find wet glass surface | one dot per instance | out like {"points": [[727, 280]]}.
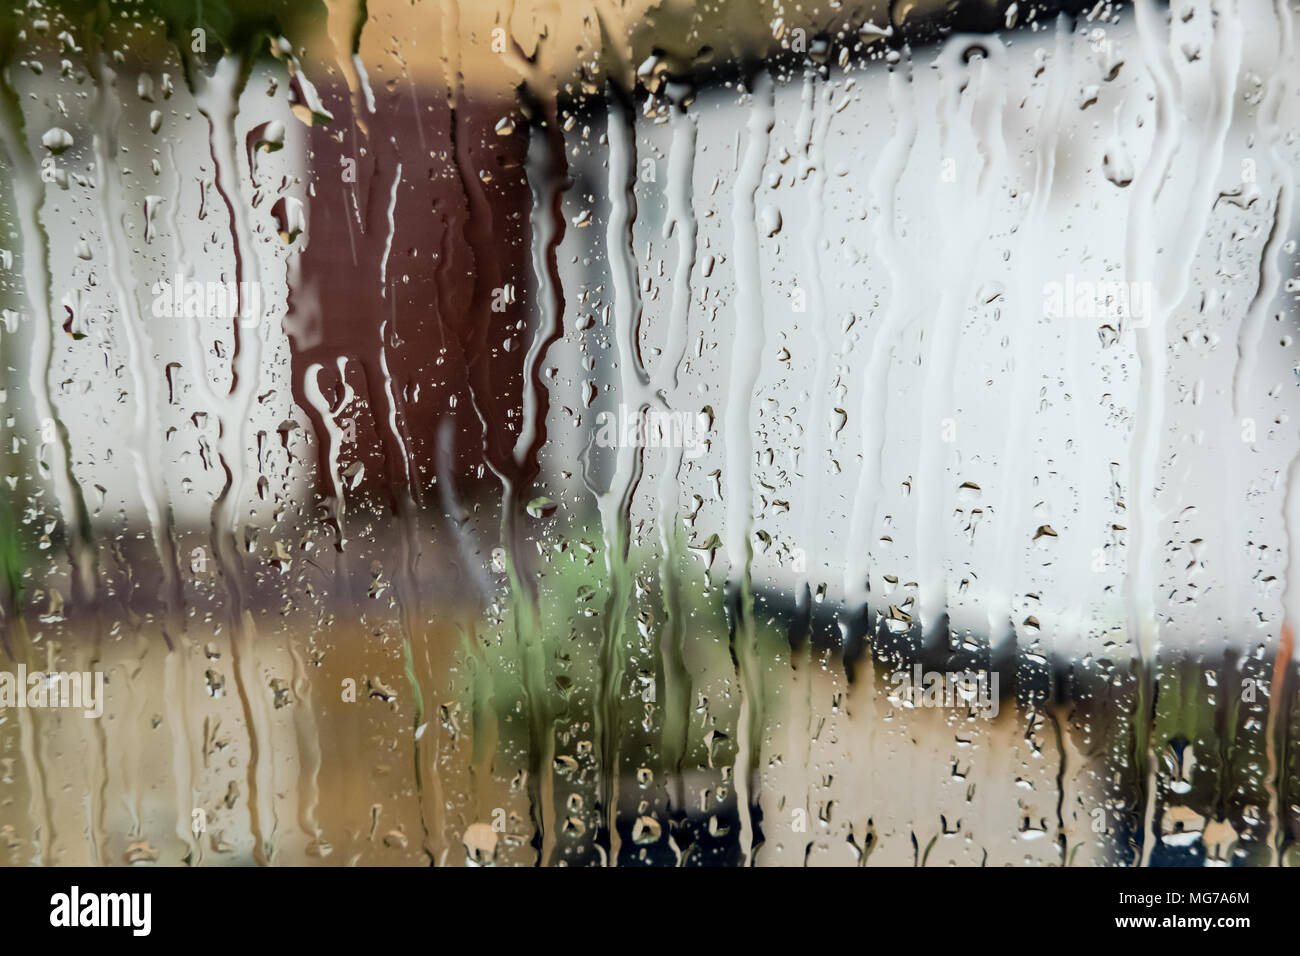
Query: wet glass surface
{"points": [[648, 434]]}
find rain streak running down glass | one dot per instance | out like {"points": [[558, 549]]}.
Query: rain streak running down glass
{"points": [[595, 433]]}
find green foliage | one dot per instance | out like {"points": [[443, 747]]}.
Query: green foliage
{"points": [[11, 561], [229, 26], [236, 25]]}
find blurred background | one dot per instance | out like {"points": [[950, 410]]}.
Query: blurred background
{"points": [[560, 433]]}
